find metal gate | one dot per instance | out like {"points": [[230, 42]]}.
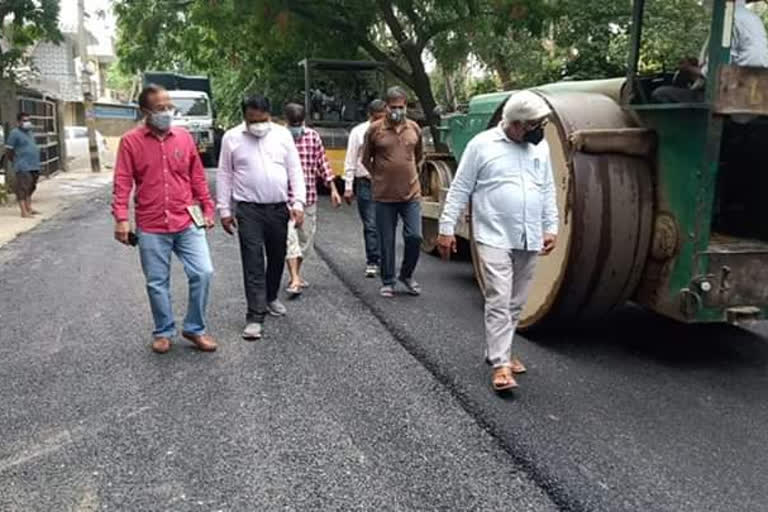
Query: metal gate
{"points": [[42, 113]]}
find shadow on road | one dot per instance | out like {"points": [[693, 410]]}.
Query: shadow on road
{"points": [[640, 334]]}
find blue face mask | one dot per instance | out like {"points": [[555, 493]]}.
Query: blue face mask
{"points": [[296, 131]]}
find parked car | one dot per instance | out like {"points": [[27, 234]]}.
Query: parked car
{"points": [[77, 147]]}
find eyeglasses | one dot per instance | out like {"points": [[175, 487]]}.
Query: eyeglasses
{"points": [[535, 126]]}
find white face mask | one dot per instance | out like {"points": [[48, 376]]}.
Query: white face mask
{"points": [[161, 120], [259, 129], [26, 125]]}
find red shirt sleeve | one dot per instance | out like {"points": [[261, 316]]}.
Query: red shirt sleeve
{"points": [[123, 181], [199, 181]]}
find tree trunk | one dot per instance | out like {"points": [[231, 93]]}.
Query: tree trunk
{"points": [[423, 89], [504, 72]]}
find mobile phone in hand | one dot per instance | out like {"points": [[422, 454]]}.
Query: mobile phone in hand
{"points": [[133, 240]]}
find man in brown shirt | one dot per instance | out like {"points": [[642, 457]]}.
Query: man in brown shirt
{"points": [[393, 153]]}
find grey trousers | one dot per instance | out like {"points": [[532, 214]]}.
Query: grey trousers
{"points": [[508, 278]]}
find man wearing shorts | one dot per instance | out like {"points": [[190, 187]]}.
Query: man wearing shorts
{"points": [[22, 150], [315, 166]]}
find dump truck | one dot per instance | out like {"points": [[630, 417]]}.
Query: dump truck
{"points": [[191, 95], [660, 204]]}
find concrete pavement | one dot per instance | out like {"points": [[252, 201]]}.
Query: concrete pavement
{"points": [[53, 195]]}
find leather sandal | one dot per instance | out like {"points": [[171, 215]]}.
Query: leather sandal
{"points": [[517, 366], [502, 379], [161, 345]]}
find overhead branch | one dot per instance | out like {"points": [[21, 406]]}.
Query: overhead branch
{"points": [[417, 23], [342, 25], [379, 55]]}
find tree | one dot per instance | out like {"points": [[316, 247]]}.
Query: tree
{"points": [[207, 33], [23, 23], [240, 48]]}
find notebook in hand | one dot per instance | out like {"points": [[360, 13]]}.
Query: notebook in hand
{"points": [[197, 215]]}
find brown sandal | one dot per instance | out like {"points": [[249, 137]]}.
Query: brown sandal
{"points": [[517, 366], [161, 345], [502, 379]]}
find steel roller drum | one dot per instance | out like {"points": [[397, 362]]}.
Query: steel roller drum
{"points": [[606, 206]]}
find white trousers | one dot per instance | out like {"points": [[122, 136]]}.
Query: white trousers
{"points": [[508, 275]]}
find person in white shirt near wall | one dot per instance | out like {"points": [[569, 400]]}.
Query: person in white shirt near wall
{"points": [[507, 173], [357, 183], [258, 160]]}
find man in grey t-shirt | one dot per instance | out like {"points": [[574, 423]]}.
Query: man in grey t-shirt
{"points": [[22, 150]]}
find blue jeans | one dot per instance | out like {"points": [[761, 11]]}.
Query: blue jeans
{"points": [[367, 210], [386, 221], [191, 247]]}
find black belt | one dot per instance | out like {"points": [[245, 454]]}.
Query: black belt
{"points": [[265, 206]]}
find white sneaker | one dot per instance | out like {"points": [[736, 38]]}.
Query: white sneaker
{"points": [[371, 270], [276, 308], [253, 331]]}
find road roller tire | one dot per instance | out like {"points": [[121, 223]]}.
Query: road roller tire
{"points": [[435, 178], [605, 203]]}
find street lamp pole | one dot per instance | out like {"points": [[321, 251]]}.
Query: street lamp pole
{"points": [[85, 78]]}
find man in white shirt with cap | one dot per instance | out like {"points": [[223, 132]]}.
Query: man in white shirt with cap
{"points": [[508, 175]]}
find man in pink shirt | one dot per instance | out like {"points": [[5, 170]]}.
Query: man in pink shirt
{"points": [[260, 188], [161, 163]]}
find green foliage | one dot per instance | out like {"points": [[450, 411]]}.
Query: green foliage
{"points": [[22, 24], [256, 44], [240, 45]]}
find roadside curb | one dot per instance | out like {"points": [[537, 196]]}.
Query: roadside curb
{"points": [[55, 194]]}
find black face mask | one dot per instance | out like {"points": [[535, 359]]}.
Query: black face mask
{"points": [[534, 136]]}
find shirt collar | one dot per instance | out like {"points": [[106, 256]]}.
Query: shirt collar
{"points": [[499, 134], [147, 131]]}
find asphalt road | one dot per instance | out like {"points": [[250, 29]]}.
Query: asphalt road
{"points": [[634, 413], [329, 412], [353, 401]]}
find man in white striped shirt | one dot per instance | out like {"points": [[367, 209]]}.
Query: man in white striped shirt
{"points": [[507, 172], [358, 183]]}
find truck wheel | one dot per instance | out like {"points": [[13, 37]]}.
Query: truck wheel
{"points": [[435, 179]]}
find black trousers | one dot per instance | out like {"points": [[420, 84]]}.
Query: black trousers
{"points": [[262, 230]]}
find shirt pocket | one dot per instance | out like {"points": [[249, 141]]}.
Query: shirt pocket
{"points": [[537, 171], [179, 161]]}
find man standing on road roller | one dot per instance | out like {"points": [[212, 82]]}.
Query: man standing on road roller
{"points": [[393, 153], [357, 183], [749, 48], [507, 172]]}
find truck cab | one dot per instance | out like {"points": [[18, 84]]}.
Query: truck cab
{"points": [[193, 112]]}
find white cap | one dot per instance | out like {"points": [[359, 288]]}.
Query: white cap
{"points": [[525, 106]]}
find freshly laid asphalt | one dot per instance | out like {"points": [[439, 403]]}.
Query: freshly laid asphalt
{"points": [[328, 412], [635, 412], [353, 401]]}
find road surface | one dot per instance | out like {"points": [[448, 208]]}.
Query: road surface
{"points": [[353, 402]]}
